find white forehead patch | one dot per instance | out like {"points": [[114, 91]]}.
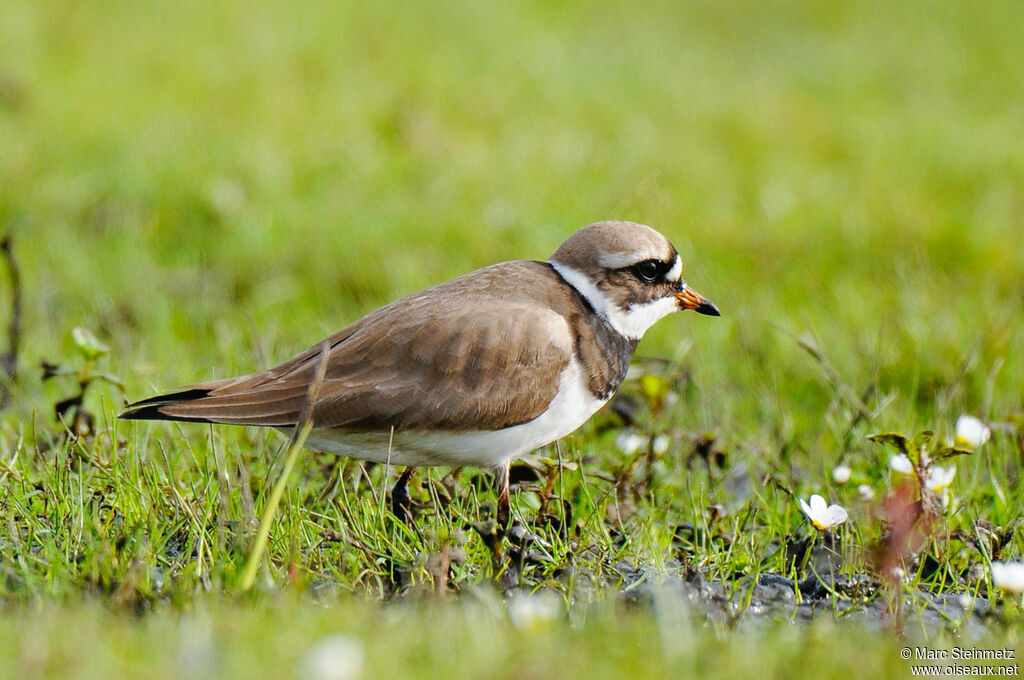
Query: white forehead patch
{"points": [[631, 323], [621, 260]]}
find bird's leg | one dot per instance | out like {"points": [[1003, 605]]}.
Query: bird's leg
{"points": [[504, 508], [493, 530], [401, 504]]}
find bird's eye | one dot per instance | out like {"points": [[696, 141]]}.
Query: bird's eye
{"points": [[647, 270]]}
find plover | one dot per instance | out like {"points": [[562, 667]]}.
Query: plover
{"points": [[475, 371]]}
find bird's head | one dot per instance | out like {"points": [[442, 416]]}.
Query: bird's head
{"points": [[629, 273]]}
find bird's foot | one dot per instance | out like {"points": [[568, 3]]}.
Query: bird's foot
{"points": [[504, 512], [401, 502], [493, 532]]}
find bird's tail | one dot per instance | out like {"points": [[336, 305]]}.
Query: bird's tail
{"points": [[172, 406], [233, 401]]}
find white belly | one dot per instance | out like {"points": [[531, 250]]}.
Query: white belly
{"points": [[572, 406]]}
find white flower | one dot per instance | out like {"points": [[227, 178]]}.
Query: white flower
{"points": [[197, 651], [971, 432], [1008, 576], [629, 441], [866, 492], [939, 477], [841, 473], [822, 515], [335, 657], [901, 463], [532, 612], [660, 444]]}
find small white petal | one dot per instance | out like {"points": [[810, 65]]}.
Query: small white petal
{"points": [[939, 477], [835, 515], [971, 432], [822, 515], [661, 443], [900, 463], [335, 657], [866, 492], [629, 442], [531, 612], [841, 474], [1008, 576]]}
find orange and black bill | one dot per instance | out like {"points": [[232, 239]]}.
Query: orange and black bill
{"points": [[690, 299]]}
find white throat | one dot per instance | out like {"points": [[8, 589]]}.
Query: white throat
{"points": [[632, 322]]}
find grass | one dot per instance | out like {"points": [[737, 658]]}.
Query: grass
{"points": [[467, 640], [212, 188]]}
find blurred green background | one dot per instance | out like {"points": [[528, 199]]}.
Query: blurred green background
{"points": [[214, 186]]}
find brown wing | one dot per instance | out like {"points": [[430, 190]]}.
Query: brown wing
{"points": [[481, 351]]}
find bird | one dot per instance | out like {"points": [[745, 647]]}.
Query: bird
{"points": [[476, 371]]}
